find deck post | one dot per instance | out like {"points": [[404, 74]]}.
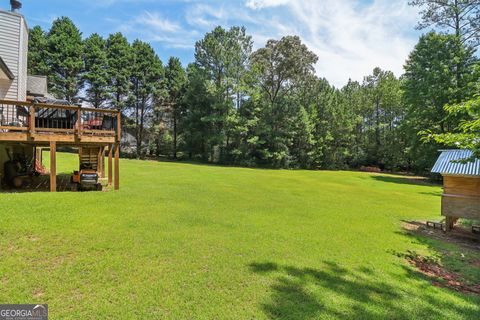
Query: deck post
{"points": [[119, 126], [449, 222], [117, 166], [103, 162], [99, 162], [53, 166], [79, 122], [110, 169], [39, 154], [32, 120]]}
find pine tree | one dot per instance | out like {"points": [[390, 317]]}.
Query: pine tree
{"points": [[64, 59], [460, 16], [96, 70], [175, 80], [146, 75], [37, 58], [119, 61], [222, 56]]}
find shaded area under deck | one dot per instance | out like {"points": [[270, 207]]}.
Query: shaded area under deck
{"points": [[30, 125]]}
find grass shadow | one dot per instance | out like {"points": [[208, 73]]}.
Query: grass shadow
{"points": [[435, 194], [201, 163], [306, 293], [405, 180]]}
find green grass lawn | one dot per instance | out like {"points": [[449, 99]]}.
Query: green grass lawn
{"points": [[185, 241]]}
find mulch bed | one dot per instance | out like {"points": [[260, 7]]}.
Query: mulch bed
{"points": [[440, 276], [476, 263], [450, 280]]}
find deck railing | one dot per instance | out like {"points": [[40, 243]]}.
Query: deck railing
{"points": [[44, 119]]}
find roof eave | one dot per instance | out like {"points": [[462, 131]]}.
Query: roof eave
{"points": [[6, 70], [448, 163]]}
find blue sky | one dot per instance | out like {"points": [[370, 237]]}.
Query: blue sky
{"points": [[350, 37]]}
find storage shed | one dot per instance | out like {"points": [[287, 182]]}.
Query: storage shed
{"points": [[461, 186]]}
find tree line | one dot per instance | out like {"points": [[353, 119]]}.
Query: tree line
{"points": [[268, 107]]}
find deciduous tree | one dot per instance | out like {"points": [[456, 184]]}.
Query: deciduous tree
{"points": [[430, 84]]}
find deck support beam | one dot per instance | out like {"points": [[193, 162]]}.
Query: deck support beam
{"points": [[110, 163], [117, 167], [102, 161], [449, 223], [100, 167], [53, 166]]}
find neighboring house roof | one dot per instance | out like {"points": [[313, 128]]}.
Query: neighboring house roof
{"points": [[446, 163], [5, 71], [37, 86]]}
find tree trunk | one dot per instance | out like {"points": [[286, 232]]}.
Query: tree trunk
{"points": [[174, 135], [378, 141], [457, 66], [142, 122], [137, 130]]}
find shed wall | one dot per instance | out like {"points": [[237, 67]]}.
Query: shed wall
{"points": [[467, 207], [467, 186], [461, 197]]}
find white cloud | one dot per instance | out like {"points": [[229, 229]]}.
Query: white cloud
{"points": [[153, 27], [157, 22], [109, 3], [260, 4], [351, 37], [203, 16]]}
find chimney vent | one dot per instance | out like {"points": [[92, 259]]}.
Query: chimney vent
{"points": [[16, 5]]}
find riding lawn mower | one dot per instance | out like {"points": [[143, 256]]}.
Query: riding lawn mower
{"points": [[86, 179]]}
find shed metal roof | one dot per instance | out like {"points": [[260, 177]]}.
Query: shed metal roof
{"points": [[446, 163]]}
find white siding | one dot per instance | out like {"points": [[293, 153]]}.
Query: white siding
{"points": [[13, 50], [22, 63]]}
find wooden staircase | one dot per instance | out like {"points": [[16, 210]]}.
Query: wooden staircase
{"points": [[89, 157]]}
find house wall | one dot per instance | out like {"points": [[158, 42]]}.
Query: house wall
{"points": [[23, 61], [13, 50]]}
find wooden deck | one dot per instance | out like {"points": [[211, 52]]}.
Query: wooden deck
{"points": [[39, 124], [55, 125]]}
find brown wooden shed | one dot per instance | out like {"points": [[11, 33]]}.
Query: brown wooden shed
{"points": [[461, 186]]}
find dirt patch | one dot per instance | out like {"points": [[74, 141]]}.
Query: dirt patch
{"points": [[476, 263], [33, 238], [460, 236], [440, 276], [38, 293]]}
